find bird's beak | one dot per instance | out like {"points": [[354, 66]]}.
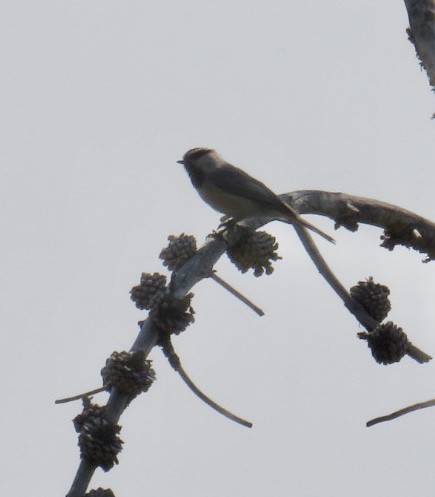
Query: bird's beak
{"points": [[180, 161]]}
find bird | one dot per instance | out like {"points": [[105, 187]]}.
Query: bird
{"points": [[233, 192]]}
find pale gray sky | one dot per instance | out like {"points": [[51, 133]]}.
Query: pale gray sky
{"points": [[98, 101]]}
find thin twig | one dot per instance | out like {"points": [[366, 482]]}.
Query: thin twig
{"points": [[174, 360], [81, 395], [236, 293], [401, 412], [210, 402]]}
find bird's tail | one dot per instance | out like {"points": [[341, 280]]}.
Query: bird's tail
{"points": [[311, 227]]}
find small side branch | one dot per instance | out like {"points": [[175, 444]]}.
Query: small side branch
{"points": [[401, 412], [81, 395], [236, 293], [175, 362], [210, 402]]}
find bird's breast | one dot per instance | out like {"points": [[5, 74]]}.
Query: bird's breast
{"points": [[227, 203]]}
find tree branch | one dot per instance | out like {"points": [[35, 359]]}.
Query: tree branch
{"points": [[401, 412], [401, 227], [421, 14], [346, 210], [351, 304]]}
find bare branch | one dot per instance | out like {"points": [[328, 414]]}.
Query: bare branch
{"points": [[401, 412], [81, 395], [421, 33], [401, 227], [174, 360], [236, 293]]}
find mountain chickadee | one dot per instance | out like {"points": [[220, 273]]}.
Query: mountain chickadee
{"points": [[233, 192]]}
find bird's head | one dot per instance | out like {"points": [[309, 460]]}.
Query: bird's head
{"points": [[198, 162], [195, 156]]}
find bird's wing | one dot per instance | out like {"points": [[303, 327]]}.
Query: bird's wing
{"points": [[234, 181]]}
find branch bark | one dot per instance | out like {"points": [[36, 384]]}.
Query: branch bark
{"points": [[421, 14], [401, 226]]}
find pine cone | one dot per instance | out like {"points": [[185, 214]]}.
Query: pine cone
{"points": [[172, 315], [150, 290], [387, 342], [89, 412], [99, 442], [255, 252], [100, 492], [179, 251], [129, 372], [373, 297]]}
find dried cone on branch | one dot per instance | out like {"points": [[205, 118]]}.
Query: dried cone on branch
{"points": [[387, 342], [100, 492], [129, 372], [173, 315], [168, 313], [150, 290], [179, 251], [256, 251], [98, 440], [373, 297]]}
